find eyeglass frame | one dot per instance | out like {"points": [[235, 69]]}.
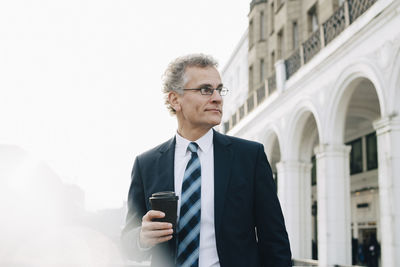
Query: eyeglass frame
{"points": [[201, 89]]}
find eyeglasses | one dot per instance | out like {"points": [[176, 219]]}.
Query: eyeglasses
{"points": [[222, 91]]}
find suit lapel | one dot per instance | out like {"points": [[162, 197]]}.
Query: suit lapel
{"points": [[222, 170], [165, 182], [165, 168]]}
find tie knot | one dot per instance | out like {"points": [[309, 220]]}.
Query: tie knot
{"points": [[193, 147]]}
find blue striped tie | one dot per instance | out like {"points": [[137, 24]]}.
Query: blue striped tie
{"points": [[189, 219]]}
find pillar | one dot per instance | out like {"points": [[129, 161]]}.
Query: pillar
{"points": [[294, 190], [334, 221], [388, 142]]}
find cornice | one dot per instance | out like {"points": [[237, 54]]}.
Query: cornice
{"points": [[256, 2]]}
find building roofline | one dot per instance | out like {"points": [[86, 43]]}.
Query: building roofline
{"points": [[237, 47], [256, 2]]}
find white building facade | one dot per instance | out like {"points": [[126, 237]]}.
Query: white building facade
{"points": [[329, 116], [235, 77]]}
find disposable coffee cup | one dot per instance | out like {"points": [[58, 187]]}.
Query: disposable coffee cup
{"points": [[166, 202]]}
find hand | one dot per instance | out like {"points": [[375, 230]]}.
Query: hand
{"points": [[152, 233]]}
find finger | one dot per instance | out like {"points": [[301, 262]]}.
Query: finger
{"points": [[152, 214], [152, 226], [158, 233]]}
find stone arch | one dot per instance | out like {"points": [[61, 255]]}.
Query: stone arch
{"points": [[303, 134], [394, 93], [348, 81], [357, 100], [304, 115], [270, 137]]}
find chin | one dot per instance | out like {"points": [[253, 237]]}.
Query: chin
{"points": [[215, 123]]}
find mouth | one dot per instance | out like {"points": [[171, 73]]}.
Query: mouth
{"points": [[214, 110]]}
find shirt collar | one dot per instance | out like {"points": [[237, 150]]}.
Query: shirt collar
{"points": [[204, 142]]}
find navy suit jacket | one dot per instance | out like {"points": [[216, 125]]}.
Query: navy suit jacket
{"points": [[249, 225]]}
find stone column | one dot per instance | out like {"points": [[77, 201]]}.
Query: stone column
{"points": [[294, 190], [334, 221], [306, 215], [388, 142], [280, 72]]}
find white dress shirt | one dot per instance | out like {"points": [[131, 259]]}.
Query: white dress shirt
{"points": [[208, 256]]}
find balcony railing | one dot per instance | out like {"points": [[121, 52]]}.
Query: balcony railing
{"points": [[271, 81], [241, 112], [304, 262], [260, 94], [334, 25], [250, 103], [233, 119], [346, 14], [293, 63], [312, 46], [358, 7]]}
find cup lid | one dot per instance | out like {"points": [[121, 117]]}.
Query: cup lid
{"points": [[165, 194]]}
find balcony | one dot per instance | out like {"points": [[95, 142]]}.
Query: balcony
{"points": [[345, 15]]}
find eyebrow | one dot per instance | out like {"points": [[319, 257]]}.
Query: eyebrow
{"points": [[209, 85]]}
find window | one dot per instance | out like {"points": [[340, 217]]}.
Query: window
{"points": [[262, 76], [271, 18], [262, 37], [295, 37], [272, 61], [356, 164], [241, 112], [250, 78], [234, 119], [226, 126], [312, 19], [363, 158], [372, 152], [250, 33], [280, 44], [313, 171]]}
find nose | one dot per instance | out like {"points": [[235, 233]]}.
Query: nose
{"points": [[216, 97]]}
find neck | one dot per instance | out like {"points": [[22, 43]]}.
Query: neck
{"points": [[192, 134]]}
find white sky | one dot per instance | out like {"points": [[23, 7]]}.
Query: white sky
{"points": [[80, 80]]}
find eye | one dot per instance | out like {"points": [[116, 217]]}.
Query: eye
{"points": [[207, 90]]}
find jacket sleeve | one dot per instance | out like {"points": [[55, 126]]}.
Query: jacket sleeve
{"points": [[136, 210], [273, 242]]}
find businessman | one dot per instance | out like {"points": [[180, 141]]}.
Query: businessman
{"points": [[228, 211]]}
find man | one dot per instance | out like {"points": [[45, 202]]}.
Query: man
{"points": [[229, 213]]}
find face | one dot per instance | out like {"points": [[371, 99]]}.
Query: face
{"points": [[197, 111]]}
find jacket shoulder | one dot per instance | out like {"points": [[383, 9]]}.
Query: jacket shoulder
{"points": [[240, 142], [153, 152]]}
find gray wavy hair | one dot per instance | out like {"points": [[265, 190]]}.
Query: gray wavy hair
{"points": [[174, 76]]}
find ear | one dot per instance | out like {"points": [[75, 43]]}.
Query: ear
{"points": [[174, 100]]}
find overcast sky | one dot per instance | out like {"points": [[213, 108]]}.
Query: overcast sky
{"points": [[80, 80]]}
